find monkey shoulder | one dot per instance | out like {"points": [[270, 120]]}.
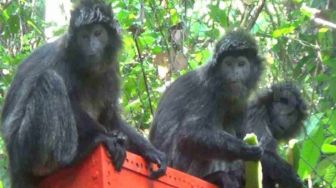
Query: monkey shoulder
{"points": [[36, 70], [182, 93], [185, 87]]}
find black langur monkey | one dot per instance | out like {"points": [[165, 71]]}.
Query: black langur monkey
{"points": [[198, 115], [274, 116], [63, 102]]}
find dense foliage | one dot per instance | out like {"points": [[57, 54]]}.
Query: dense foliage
{"points": [[164, 39]]}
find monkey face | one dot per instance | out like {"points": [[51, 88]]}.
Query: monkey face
{"points": [[92, 41], [285, 115], [236, 71]]}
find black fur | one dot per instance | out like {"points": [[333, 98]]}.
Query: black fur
{"points": [[264, 119], [197, 117], [60, 106]]}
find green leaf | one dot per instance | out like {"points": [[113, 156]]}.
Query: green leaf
{"points": [[213, 33], [175, 18], [328, 146], [330, 174], [218, 15], [6, 15], [328, 149], [31, 23], [157, 50], [306, 11], [310, 153], [125, 18], [323, 30], [325, 169], [147, 40], [283, 31]]}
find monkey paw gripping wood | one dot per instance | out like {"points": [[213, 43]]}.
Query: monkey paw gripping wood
{"points": [[97, 171]]}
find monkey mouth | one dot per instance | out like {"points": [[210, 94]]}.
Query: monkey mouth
{"points": [[94, 59], [233, 84], [237, 88]]}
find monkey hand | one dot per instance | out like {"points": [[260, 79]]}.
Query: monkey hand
{"points": [[294, 180], [158, 157], [285, 174], [116, 145], [252, 153]]}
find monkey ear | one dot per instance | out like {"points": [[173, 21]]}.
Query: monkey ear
{"points": [[115, 25], [114, 22]]}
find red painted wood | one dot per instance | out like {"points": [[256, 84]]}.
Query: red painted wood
{"points": [[97, 171]]}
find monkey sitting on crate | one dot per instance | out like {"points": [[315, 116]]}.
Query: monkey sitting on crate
{"points": [[63, 102], [199, 114], [277, 115]]}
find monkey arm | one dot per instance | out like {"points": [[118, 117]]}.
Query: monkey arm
{"points": [[140, 145], [279, 170], [39, 122], [215, 143], [136, 142], [111, 119], [91, 133]]}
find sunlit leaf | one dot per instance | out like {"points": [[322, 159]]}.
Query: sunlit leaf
{"points": [[323, 29], [5, 14], [328, 146], [283, 31], [329, 149], [175, 18]]}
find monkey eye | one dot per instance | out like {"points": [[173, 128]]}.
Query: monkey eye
{"points": [[241, 63], [228, 62], [284, 100], [97, 33]]}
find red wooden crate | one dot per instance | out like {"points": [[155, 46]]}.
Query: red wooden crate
{"points": [[97, 171]]}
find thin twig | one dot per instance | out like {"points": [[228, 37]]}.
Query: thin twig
{"points": [[135, 38], [164, 38]]}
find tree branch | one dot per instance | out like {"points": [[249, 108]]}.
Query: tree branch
{"points": [[135, 37], [255, 15], [323, 22]]}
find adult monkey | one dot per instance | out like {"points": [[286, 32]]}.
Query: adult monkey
{"points": [[199, 114], [63, 101], [277, 115]]}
